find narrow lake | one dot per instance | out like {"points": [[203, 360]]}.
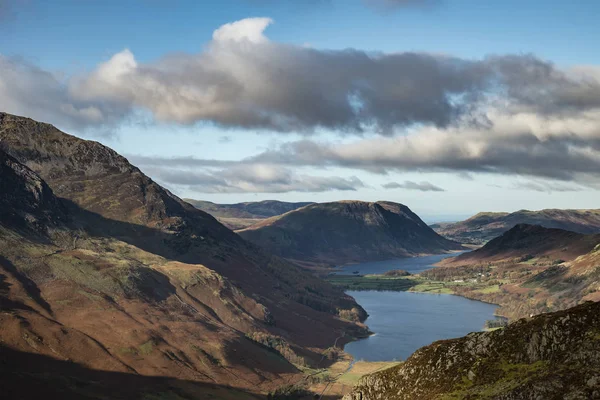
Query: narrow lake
{"points": [[406, 321], [414, 265]]}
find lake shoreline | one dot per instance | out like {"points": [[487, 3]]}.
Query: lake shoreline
{"points": [[402, 322]]}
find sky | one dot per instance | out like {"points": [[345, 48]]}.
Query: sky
{"points": [[448, 106]]}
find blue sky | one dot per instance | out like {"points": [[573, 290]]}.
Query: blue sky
{"points": [[69, 40], [71, 34]]}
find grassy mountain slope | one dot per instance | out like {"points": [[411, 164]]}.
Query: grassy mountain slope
{"points": [[552, 356], [102, 266], [485, 226], [346, 232], [528, 270]]}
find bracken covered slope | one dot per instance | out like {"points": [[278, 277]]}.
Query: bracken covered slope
{"points": [[527, 270], [551, 356], [347, 231], [531, 241], [102, 266], [485, 226]]}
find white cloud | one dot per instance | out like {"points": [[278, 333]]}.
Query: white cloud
{"points": [[251, 178], [243, 79], [250, 29], [410, 185]]}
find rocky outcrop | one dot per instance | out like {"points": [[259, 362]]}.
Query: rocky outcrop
{"points": [[551, 356], [26, 201]]}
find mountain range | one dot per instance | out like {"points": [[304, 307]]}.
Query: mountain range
{"points": [[485, 226]]}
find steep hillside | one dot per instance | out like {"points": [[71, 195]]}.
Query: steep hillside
{"points": [[531, 241], [347, 231], [26, 201], [242, 215], [552, 356], [102, 266], [485, 226], [527, 270]]}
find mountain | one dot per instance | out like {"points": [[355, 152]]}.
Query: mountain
{"points": [[551, 356], [531, 241], [241, 215], [346, 232], [527, 270], [103, 269], [485, 226]]}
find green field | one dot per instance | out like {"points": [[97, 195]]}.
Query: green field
{"points": [[372, 282], [412, 283]]}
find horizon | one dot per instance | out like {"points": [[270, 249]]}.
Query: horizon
{"points": [[449, 107]]}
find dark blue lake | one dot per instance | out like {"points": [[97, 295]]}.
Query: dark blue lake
{"points": [[405, 321], [413, 265]]}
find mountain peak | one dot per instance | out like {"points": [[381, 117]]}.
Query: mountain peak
{"points": [[347, 231]]}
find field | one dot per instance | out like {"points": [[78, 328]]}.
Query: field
{"points": [[412, 283], [372, 282], [339, 379]]}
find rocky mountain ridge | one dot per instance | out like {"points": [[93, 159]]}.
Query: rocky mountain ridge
{"points": [[485, 226]]}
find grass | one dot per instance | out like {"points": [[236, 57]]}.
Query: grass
{"points": [[432, 287], [362, 368], [371, 282], [399, 284], [489, 289], [147, 348], [338, 379]]}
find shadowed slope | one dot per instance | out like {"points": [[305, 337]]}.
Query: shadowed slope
{"points": [[347, 231], [158, 287]]}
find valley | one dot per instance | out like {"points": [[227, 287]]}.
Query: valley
{"points": [[299, 200], [103, 269]]}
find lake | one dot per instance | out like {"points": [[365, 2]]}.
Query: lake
{"points": [[406, 321], [414, 265]]}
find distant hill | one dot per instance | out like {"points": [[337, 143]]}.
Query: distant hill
{"points": [[241, 215], [531, 241], [528, 270], [488, 225], [551, 356], [101, 266], [346, 232]]}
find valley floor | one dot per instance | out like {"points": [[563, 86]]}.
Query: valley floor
{"points": [[342, 376]]}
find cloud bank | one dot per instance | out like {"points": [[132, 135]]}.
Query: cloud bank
{"points": [[421, 186], [411, 111], [244, 80], [239, 177]]}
